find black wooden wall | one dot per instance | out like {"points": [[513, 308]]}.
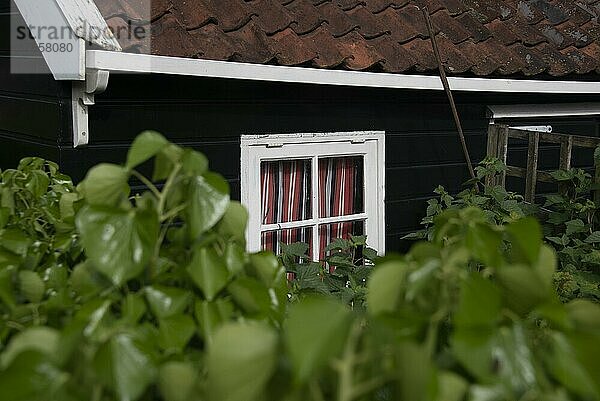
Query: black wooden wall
{"points": [[34, 108], [210, 114], [421, 141]]}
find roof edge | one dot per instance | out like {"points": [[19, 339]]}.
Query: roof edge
{"points": [[143, 63]]}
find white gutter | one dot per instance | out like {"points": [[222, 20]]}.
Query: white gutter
{"points": [[142, 63], [543, 110]]}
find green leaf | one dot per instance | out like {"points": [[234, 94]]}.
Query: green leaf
{"points": [[241, 360], [106, 184], [593, 238], [585, 314], [38, 183], [167, 301], [31, 377], [485, 244], [562, 175], [32, 286], [7, 295], [251, 295], [415, 372], [119, 243], [176, 381], [133, 308], [265, 267], [16, 241], [208, 271], [562, 363], [208, 198], [125, 366], [146, 145], [193, 162], [523, 288], [309, 276], [385, 288], [527, 238], [480, 303], [211, 315], [175, 332], [40, 339], [452, 387], [234, 221], [165, 161], [315, 332], [575, 226]]}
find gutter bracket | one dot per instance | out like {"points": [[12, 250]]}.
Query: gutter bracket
{"points": [[83, 93]]}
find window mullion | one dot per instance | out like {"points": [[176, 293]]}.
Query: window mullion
{"points": [[315, 207]]}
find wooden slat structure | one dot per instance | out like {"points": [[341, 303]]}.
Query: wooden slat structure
{"points": [[497, 146]]}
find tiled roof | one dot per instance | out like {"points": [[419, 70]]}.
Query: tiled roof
{"points": [[476, 37]]}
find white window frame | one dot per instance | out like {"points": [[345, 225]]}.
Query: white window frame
{"points": [[369, 144]]}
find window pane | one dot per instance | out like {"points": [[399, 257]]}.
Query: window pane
{"points": [[285, 191], [330, 232], [341, 186], [271, 240]]}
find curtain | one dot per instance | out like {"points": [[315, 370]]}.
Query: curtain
{"points": [[286, 196], [340, 194]]}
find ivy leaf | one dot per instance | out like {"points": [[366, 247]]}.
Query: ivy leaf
{"points": [[119, 243], [208, 271], [208, 198], [146, 145], [176, 381], [32, 285], [32, 377], [106, 184], [125, 366], [241, 361], [385, 288], [40, 339], [234, 221], [324, 323], [167, 301], [175, 332], [194, 163], [15, 240], [211, 315]]}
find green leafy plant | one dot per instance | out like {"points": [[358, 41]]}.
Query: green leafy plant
{"points": [[343, 273], [572, 226], [163, 270], [166, 304], [499, 205]]}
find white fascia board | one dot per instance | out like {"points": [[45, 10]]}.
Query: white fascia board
{"points": [[88, 23], [43, 16], [142, 63], [543, 110]]}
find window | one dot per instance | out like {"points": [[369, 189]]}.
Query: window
{"points": [[313, 188]]}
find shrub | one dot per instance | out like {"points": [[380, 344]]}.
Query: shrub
{"points": [[570, 223], [166, 304]]}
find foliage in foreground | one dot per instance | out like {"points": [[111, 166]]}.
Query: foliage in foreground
{"points": [[166, 304]]}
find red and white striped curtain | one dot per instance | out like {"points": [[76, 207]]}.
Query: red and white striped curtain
{"points": [[340, 193], [286, 197]]}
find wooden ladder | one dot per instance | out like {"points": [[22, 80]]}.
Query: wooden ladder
{"points": [[497, 146]]}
